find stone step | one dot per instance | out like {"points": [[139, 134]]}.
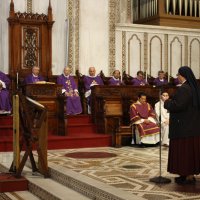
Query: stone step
{"points": [[67, 184], [46, 188], [87, 186], [23, 195], [42, 188]]}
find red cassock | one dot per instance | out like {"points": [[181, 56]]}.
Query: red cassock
{"points": [[140, 111]]}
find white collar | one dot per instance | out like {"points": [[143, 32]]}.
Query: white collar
{"points": [[66, 76], [35, 75], [116, 79]]}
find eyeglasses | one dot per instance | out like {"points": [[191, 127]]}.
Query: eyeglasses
{"points": [[165, 95]]}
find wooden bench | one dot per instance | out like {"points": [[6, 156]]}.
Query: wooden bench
{"points": [[122, 131]]}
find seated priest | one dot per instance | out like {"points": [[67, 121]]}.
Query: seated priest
{"points": [[34, 77], [73, 104], [5, 104], [143, 117], [162, 115], [139, 80], [90, 81], [160, 80], [115, 79]]}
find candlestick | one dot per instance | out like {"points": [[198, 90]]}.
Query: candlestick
{"points": [[17, 79], [146, 75], [168, 77]]}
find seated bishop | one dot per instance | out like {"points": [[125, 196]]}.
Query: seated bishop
{"points": [[139, 80], [160, 80], [143, 117], [73, 103], [34, 77], [115, 79], [90, 81], [5, 104]]}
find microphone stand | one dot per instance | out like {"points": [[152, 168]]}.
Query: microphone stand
{"points": [[160, 179]]}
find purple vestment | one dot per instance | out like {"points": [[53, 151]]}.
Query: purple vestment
{"points": [[5, 103], [90, 81], [158, 82], [73, 105], [114, 81], [137, 82], [33, 79]]}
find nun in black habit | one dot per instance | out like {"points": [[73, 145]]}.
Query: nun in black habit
{"points": [[184, 128]]}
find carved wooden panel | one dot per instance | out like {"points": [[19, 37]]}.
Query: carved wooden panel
{"points": [[30, 43]]}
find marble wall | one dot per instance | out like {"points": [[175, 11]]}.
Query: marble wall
{"points": [[154, 48]]}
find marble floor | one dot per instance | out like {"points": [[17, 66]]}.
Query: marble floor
{"points": [[130, 170]]}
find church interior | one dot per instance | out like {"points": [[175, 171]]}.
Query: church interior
{"points": [[62, 139]]}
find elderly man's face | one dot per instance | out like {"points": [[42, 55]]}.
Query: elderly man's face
{"points": [[116, 74], [92, 71], [36, 71], [67, 71]]}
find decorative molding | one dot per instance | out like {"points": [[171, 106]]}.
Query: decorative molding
{"points": [[112, 17], [181, 58], [186, 51], [117, 13], [145, 53], [166, 57], [129, 49], [190, 53], [70, 10], [30, 47], [31, 16], [150, 53], [123, 51], [129, 6], [29, 6], [76, 34]]}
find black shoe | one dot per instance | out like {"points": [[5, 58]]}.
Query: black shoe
{"points": [[180, 179], [185, 181]]}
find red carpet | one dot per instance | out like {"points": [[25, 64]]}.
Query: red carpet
{"points": [[80, 133], [90, 155], [8, 183]]}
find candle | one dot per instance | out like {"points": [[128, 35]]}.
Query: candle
{"points": [[17, 79], [146, 75], [168, 77]]}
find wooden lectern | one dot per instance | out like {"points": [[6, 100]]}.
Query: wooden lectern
{"points": [[33, 128], [49, 95]]}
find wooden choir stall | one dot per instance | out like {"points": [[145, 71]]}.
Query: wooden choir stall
{"points": [[49, 95]]}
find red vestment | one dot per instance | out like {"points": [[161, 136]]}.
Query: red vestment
{"points": [[140, 111]]}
